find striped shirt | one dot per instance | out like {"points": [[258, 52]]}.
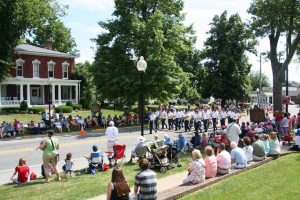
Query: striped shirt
{"points": [[147, 182]]}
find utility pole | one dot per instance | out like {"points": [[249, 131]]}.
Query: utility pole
{"points": [[287, 77]]}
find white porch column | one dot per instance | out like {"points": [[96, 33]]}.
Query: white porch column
{"points": [[53, 94], [43, 93], [79, 92], [0, 94], [28, 94], [21, 93], [59, 94], [76, 93]]}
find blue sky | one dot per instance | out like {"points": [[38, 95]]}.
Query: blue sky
{"points": [[84, 15]]}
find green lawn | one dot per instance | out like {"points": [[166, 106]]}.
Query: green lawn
{"points": [[276, 180], [80, 187], [26, 118]]}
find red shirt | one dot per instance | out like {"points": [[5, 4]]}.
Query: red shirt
{"points": [[278, 117], [23, 173]]}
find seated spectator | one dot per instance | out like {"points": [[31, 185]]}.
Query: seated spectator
{"points": [[166, 139], [248, 149], [141, 143], [15, 123], [274, 145], [258, 149], [265, 139], [196, 169], [88, 122], [244, 130], [118, 188], [80, 122], [2, 134], [210, 163], [196, 140], [116, 120], [145, 186], [65, 123], [73, 123], [109, 119], [58, 126], [204, 141], [94, 123], [223, 160], [20, 128], [31, 127], [10, 130], [238, 156], [104, 122], [95, 160], [23, 172], [124, 120]]}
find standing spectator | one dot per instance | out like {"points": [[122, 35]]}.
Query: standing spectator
{"points": [[298, 120], [285, 125], [100, 118], [223, 160], [233, 132], [258, 149], [49, 146], [145, 182], [238, 156], [60, 115], [112, 133], [277, 118], [23, 172], [118, 188], [210, 163], [196, 169], [69, 164]]}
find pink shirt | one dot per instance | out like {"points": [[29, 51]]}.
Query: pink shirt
{"points": [[210, 166]]}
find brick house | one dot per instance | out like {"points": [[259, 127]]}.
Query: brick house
{"points": [[40, 75]]}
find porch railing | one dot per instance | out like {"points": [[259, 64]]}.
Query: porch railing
{"points": [[10, 101]]}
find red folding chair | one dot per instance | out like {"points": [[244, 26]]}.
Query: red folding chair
{"points": [[118, 154]]}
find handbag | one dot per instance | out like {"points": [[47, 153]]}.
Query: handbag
{"points": [[56, 155]]}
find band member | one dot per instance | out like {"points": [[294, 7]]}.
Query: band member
{"points": [[171, 117], [223, 116], [197, 121], [163, 116], [151, 121], [206, 117], [214, 116], [177, 120], [157, 116]]}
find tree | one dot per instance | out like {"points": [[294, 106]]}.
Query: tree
{"points": [[277, 19], [255, 79], [19, 18], [226, 65], [87, 89], [153, 29]]}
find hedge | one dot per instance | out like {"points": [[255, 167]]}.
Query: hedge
{"points": [[77, 107], [69, 103], [13, 110], [23, 106], [36, 110], [64, 109]]}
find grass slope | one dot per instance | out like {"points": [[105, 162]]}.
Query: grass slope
{"points": [[82, 186], [276, 180]]}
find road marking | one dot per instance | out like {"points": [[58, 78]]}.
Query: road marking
{"points": [[102, 139]]}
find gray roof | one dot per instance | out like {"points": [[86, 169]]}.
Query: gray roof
{"points": [[34, 50]]}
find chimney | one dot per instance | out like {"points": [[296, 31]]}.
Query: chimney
{"points": [[48, 44]]}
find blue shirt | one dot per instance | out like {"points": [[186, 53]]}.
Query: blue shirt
{"points": [[96, 157], [239, 156]]}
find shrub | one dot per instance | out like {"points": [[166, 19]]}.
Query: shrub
{"points": [[12, 110], [69, 103], [23, 106], [64, 109], [36, 110], [77, 107]]}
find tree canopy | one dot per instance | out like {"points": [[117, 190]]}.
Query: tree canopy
{"points": [[226, 64], [153, 29], [275, 19], [36, 18], [255, 79]]}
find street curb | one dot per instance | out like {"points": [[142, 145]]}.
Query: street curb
{"points": [[183, 190]]}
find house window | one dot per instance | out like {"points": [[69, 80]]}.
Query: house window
{"points": [[51, 69], [36, 68], [19, 67], [65, 67]]}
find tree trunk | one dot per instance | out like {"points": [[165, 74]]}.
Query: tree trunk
{"points": [[277, 91], [223, 101]]}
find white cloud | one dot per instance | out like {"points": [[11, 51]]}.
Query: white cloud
{"points": [[99, 5], [86, 29], [86, 55]]}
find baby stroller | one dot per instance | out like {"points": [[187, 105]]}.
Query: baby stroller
{"points": [[220, 138], [173, 155], [158, 158]]}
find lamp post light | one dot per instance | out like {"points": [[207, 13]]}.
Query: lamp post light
{"points": [[142, 66]]}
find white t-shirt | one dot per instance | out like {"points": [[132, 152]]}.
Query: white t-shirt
{"points": [[233, 131], [249, 152], [206, 115], [215, 114], [69, 165], [112, 134], [223, 115], [164, 115], [224, 160]]}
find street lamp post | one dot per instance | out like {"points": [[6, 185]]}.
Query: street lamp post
{"points": [[257, 92], [49, 101], [142, 66]]}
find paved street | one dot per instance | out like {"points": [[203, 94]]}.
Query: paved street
{"points": [[11, 151]]}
